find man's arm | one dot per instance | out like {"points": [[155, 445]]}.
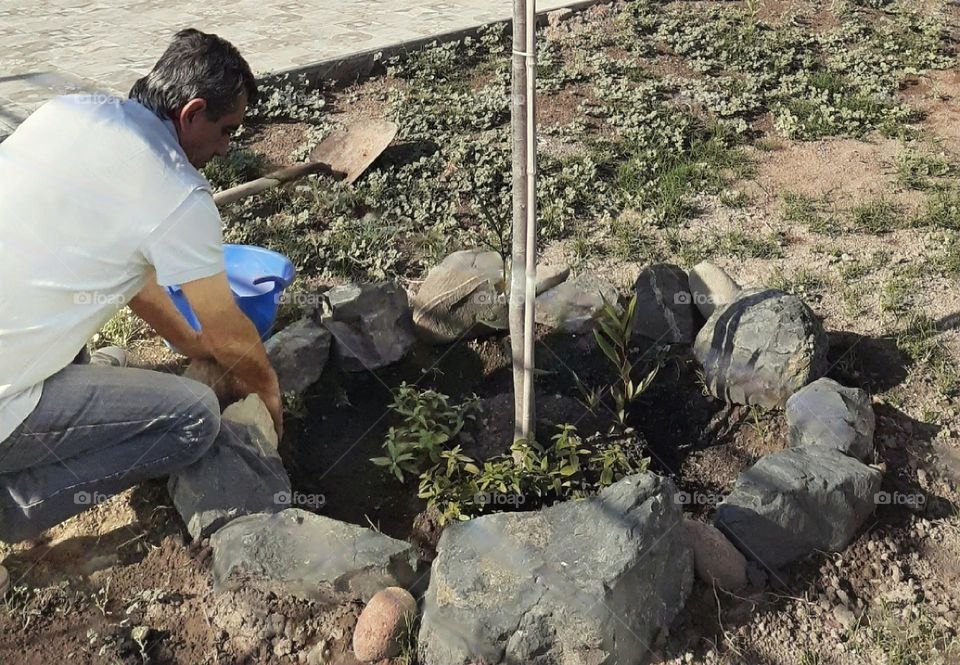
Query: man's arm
{"points": [[154, 306], [233, 340]]}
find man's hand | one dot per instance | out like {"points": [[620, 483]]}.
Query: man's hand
{"points": [[233, 340], [274, 403]]}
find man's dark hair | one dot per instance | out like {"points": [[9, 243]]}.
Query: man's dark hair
{"points": [[196, 64]]}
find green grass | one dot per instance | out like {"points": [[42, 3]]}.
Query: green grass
{"points": [[878, 217], [899, 295], [797, 208], [803, 283]]}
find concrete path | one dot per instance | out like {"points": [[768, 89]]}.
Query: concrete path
{"points": [[52, 47]]}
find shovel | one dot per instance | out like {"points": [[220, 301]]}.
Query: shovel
{"points": [[346, 153]]}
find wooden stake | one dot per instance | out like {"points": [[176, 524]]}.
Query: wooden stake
{"points": [[529, 331], [518, 112]]}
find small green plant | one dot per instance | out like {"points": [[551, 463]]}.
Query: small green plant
{"points": [[458, 488], [942, 211], [429, 423], [614, 334], [923, 170]]}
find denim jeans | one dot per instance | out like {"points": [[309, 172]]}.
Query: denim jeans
{"points": [[96, 431]]}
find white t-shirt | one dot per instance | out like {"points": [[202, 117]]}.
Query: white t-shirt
{"points": [[92, 195]]}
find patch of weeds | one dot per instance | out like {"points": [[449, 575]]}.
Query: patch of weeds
{"points": [[830, 105], [942, 211], [238, 166], [905, 636], [855, 300], [923, 170], [662, 182], [289, 98], [629, 242], [734, 198], [750, 245], [796, 208], [878, 217], [803, 283], [949, 260], [899, 295], [123, 330]]}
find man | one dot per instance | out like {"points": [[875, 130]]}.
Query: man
{"points": [[101, 206]]}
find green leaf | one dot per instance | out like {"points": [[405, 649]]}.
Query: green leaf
{"points": [[606, 348]]}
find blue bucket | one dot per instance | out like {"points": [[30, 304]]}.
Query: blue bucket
{"points": [[257, 277]]}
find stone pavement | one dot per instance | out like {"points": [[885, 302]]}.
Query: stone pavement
{"points": [[52, 47]]}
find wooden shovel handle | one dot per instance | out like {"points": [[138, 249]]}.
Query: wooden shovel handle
{"points": [[271, 180]]}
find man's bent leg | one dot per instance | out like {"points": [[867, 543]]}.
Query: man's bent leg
{"points": [[95, 432]]}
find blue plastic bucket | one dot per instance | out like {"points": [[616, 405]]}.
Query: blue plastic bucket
{"points": [[257, 277]]}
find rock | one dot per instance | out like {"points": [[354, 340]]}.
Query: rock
{"points": [[461, 298], [824, 413], [715, 558], [550, 275], [215, 376], [240, 474], [298, 354], [384, 621], [761, 348], [253, 412], [573, 306], [4, 582], [711, 288], [665, 310], [590, 581], [795, 501], [370, 324], [312, 556]]}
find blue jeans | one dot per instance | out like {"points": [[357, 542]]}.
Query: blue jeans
{"points": [[96, 431]]}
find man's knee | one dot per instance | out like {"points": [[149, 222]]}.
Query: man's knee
{"points": [[201, 422]]}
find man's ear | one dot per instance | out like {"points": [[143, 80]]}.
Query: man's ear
{"points": [[191, 110]]}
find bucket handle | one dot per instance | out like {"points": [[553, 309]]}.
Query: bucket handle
{"points": [[280, 282]]}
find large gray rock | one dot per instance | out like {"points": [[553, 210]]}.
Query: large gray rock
{"points": [[573, 306], [311, 556], [711, 288], [298, 354], [239, 475], [796, 501], [370, 324], [461, 298], [824, 413], [589, 581], [761, 348], [665, 310]]}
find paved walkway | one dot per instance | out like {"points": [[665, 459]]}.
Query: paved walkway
{"points": [[51, 47]]}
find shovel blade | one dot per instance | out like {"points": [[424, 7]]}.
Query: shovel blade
{"points": [[353, 149]]}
